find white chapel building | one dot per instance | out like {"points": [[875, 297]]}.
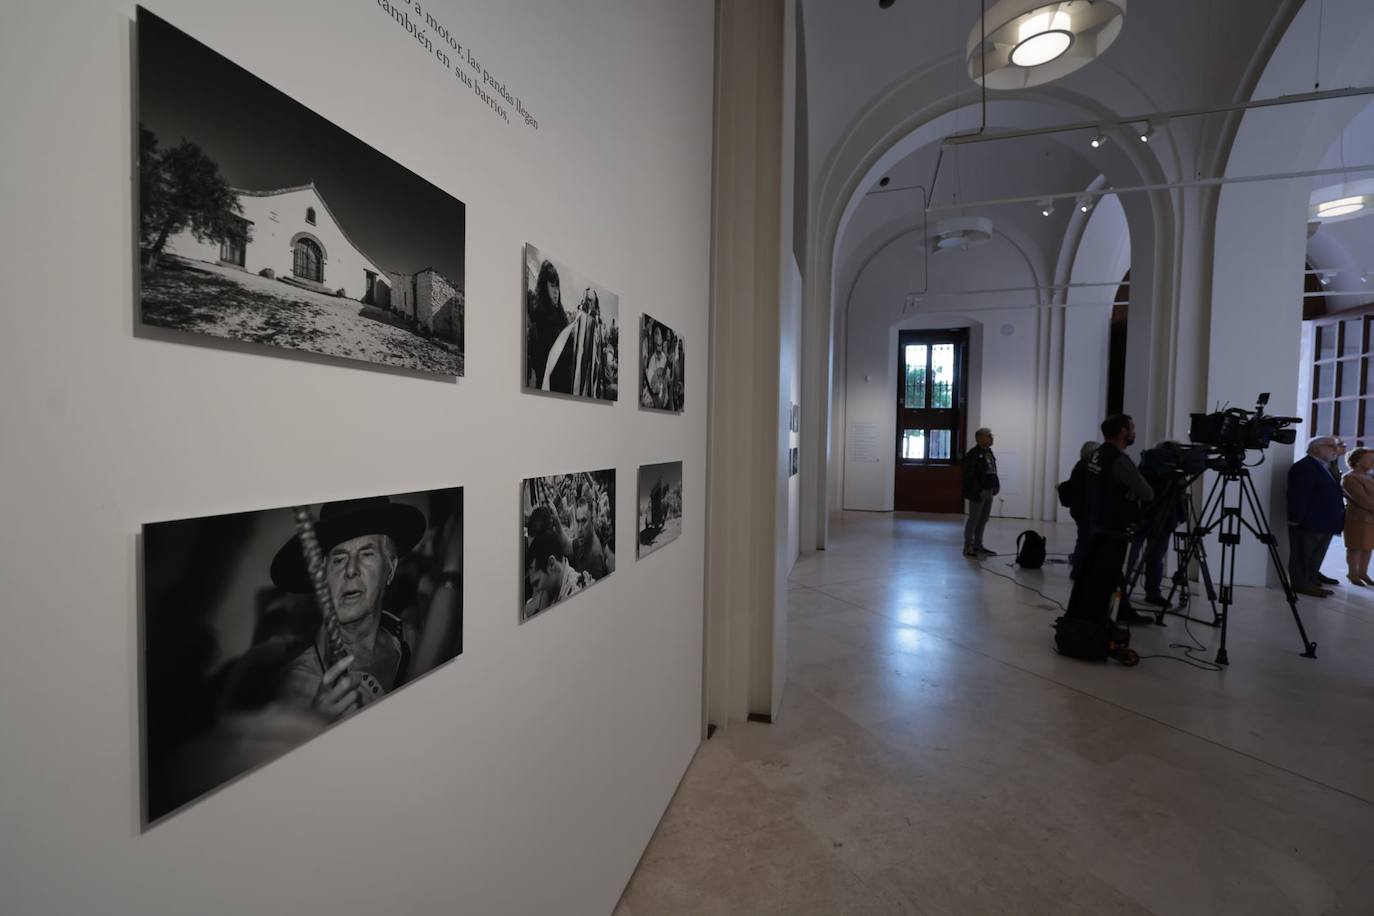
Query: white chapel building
{"points": [[292, 235]]}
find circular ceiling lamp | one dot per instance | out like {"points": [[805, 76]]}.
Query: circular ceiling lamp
{"points": [[1023, 43], [1346, 200], [958, 233], [1343, 206]]}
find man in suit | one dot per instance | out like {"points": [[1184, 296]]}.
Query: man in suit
{"points": [[1316, 512]]}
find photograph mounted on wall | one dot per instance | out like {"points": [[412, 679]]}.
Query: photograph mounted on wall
{"points": [[572, 333], [660, 506], [569, 535], [661, 365], [262, 629], [261, 222]]}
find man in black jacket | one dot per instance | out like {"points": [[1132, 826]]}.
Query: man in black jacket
{"points": [[980, 486], [1115, 492]]}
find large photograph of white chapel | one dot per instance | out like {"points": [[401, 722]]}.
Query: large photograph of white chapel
{"points": [[262, 222], [572, 331], [262, 629]]}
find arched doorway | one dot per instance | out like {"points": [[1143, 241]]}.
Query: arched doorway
{"points": [[307, 260]]}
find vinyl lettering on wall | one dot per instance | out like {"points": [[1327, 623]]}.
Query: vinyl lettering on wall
{"points": [[438, 42]]}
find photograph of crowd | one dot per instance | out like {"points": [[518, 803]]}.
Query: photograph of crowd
{"points": [[262, 629], [569, 535], [264, 223], [660, 506], [572, 334], [661, 364]]}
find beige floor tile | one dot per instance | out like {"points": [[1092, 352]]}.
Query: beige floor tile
{"points": [[934, 755]]}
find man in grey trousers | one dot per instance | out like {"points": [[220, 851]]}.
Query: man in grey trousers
{"points": [[980, 486]]}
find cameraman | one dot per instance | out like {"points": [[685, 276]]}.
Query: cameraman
{"points": [[1115, 491], [1316, 512], [1164, 515]]}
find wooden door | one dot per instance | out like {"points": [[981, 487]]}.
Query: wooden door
{"points": [[932, 407]]}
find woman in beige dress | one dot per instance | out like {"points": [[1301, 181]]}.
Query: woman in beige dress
{"points": [[1359, 515]]}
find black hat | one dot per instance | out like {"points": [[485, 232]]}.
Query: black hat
{"points": [[345, 520]]}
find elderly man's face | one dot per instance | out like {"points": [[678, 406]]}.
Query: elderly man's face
{"points": [[1326, 452], [584, 525], [357, 573]]}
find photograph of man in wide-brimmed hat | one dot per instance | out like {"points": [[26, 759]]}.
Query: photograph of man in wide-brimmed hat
{"points": [[246, 656], [361, 542]]}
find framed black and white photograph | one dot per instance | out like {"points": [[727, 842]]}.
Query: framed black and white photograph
{"points": [[660, 506], [792, 461], [661, 364], [569, 536], [572, 331], [262, 222], [262, 629]]}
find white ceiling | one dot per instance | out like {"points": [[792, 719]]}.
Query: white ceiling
{"points": [[1172, 54]]}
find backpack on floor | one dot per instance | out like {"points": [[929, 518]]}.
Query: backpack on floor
{"points": [[1030, 550], [1094, 640]]}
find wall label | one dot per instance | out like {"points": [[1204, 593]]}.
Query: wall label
{"points": [[458, 58]]}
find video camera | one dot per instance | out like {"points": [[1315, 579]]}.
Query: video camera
{"points": [[1174, 458], [1236, 429]]}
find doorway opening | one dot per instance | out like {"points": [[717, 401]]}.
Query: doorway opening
{"points": [[932, 418]]}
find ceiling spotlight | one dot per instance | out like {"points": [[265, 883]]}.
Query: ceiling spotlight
{"points": [[1342, 207], [1324, 276], [1147, 132], [884, 182], [1046, 207], [1364, 277], [1098, 141], [1085, 204]]}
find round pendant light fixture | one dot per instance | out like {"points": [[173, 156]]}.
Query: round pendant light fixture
{"points": [[959, 233], [1023, 43], [1347, 200], [1042, 38], [1343, 206]]}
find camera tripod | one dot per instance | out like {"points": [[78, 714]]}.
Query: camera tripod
{"points": [[1179, 488], [1228, 517]]}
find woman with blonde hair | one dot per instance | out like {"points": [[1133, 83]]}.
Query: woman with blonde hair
{"points": [[1359, 515]]}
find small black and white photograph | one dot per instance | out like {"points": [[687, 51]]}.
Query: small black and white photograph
{"points": [[660, 506], [569, 536], [792, 459], [572, 331], [262, 629], [661, 364], [262, 222]]}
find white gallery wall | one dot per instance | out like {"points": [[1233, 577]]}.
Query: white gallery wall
{"points": [[1001, 371], [525, 776]]}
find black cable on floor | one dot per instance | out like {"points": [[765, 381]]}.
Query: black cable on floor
{"points": [[1014, 581]]}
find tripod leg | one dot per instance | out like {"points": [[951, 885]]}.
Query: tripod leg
{"points": [[1266, 535], [1212, 508]]}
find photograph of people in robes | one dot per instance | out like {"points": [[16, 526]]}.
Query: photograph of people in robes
{"points": [[569, 535], [660, 506], [661, 364], [572, 333], [262, 629]]}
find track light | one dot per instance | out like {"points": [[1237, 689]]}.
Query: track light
{"points": [[1085, 204], [1147, 132], [1046, 207], [1098, 141], [1324, 276], [1364, 277]]}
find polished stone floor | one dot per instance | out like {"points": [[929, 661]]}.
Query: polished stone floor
{"points": [[934, 755]]}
